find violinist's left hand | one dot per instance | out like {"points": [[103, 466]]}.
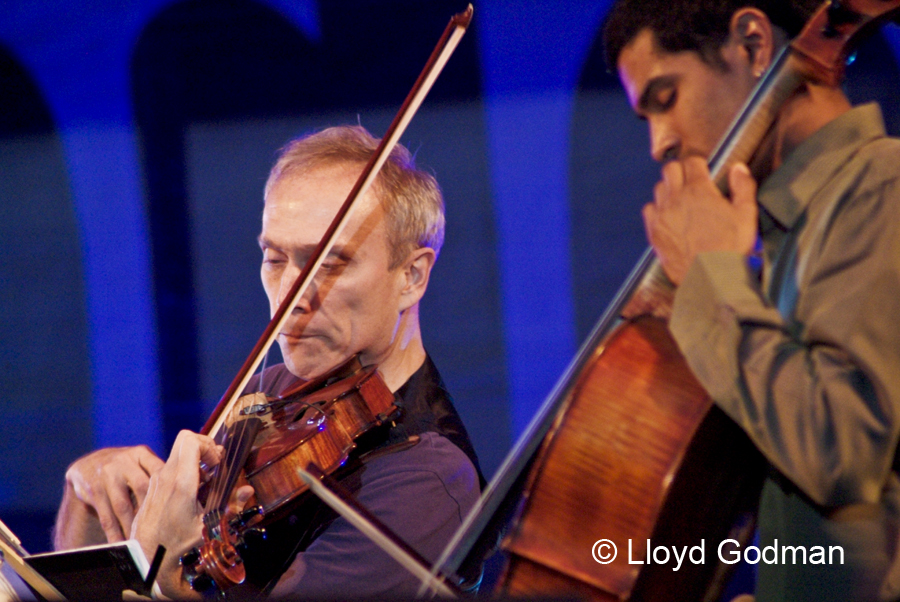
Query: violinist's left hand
{"points": [[690, 216], [171, 515]]}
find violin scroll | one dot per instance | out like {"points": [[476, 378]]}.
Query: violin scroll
{"points": [[217, 564]]}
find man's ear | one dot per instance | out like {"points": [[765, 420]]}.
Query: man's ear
{"points": [[752, 34], [416, 272]]}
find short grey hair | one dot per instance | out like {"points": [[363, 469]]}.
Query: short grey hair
{"points": [[411, 198]]}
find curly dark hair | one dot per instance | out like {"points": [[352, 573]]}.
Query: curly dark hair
{"points": [[698, 25]]}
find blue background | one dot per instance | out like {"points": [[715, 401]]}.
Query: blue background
{"points": [[135, 138]]}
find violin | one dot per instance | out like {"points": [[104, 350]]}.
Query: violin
{"points": [[270, 442], [318, 422]]}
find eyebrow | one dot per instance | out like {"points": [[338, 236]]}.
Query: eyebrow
{"points": [[266, 243], [337, 250]]}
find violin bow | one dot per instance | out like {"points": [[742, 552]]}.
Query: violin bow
{"points": [[341, 502], [443, 50]]}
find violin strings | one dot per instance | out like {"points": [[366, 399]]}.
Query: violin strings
{"points": [[215, 501], [233, 437], [235, 443], [235, 434], [262, 373], [216, 496], [215, 484]]}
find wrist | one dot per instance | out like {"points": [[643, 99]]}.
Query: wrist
{"points": [[76, 524]]}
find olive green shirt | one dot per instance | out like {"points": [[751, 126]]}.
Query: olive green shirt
{"points": [[808, 361]]}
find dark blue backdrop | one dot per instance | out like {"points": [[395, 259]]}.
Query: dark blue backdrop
{"points": [[135, 138]]}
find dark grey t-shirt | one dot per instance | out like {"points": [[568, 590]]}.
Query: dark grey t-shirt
{"points": [[421, 492]]}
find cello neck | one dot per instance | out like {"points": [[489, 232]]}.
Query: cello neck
{"points": [[648, 290], [753, 121]]}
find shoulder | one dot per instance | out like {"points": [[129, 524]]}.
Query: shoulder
{"points": [[878, 159], [861, 196], [431, 453], [434, 469], [421, 494], [870, 182]]}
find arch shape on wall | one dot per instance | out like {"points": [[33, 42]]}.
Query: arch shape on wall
{"points": [[44, 365]]}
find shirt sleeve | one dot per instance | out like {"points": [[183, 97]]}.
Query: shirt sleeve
{"points": [[421, 494], [815, 386]]}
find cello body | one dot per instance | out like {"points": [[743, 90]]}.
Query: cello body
{"points": [[659, 462]]}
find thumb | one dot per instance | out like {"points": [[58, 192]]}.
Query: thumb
{"points": [[742, 187], [743, 199]]}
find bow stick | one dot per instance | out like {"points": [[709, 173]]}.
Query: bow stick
{"points": [[442, 52]]}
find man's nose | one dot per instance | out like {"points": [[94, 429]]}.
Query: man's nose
{"points": [[288, 278], [664, 143]]}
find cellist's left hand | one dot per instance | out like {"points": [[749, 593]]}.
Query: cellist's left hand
{"points": [[171, 515], [690, 216]]}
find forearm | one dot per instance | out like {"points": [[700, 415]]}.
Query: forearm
{"points": [[819, 404]]}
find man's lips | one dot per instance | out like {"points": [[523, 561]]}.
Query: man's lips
{"points": [[298, 337]]}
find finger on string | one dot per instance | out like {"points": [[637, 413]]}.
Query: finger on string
{"points": [[743, 187], [239, 498], [210, 452], [740, 180], [695, 168]]}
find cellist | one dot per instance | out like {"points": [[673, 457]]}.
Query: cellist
{"points": [[420, 481], [806, 359]]}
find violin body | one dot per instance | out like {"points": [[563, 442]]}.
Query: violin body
{"points": [[317, 423], [319, 426], [655, 449]]}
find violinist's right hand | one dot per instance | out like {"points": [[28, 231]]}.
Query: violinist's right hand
{"points": [[103, 492]]}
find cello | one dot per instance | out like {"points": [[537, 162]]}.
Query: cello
{"points": [[628, 446]]}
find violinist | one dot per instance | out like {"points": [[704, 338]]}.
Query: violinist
{"points": [[420, 478], [806, 356]]}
